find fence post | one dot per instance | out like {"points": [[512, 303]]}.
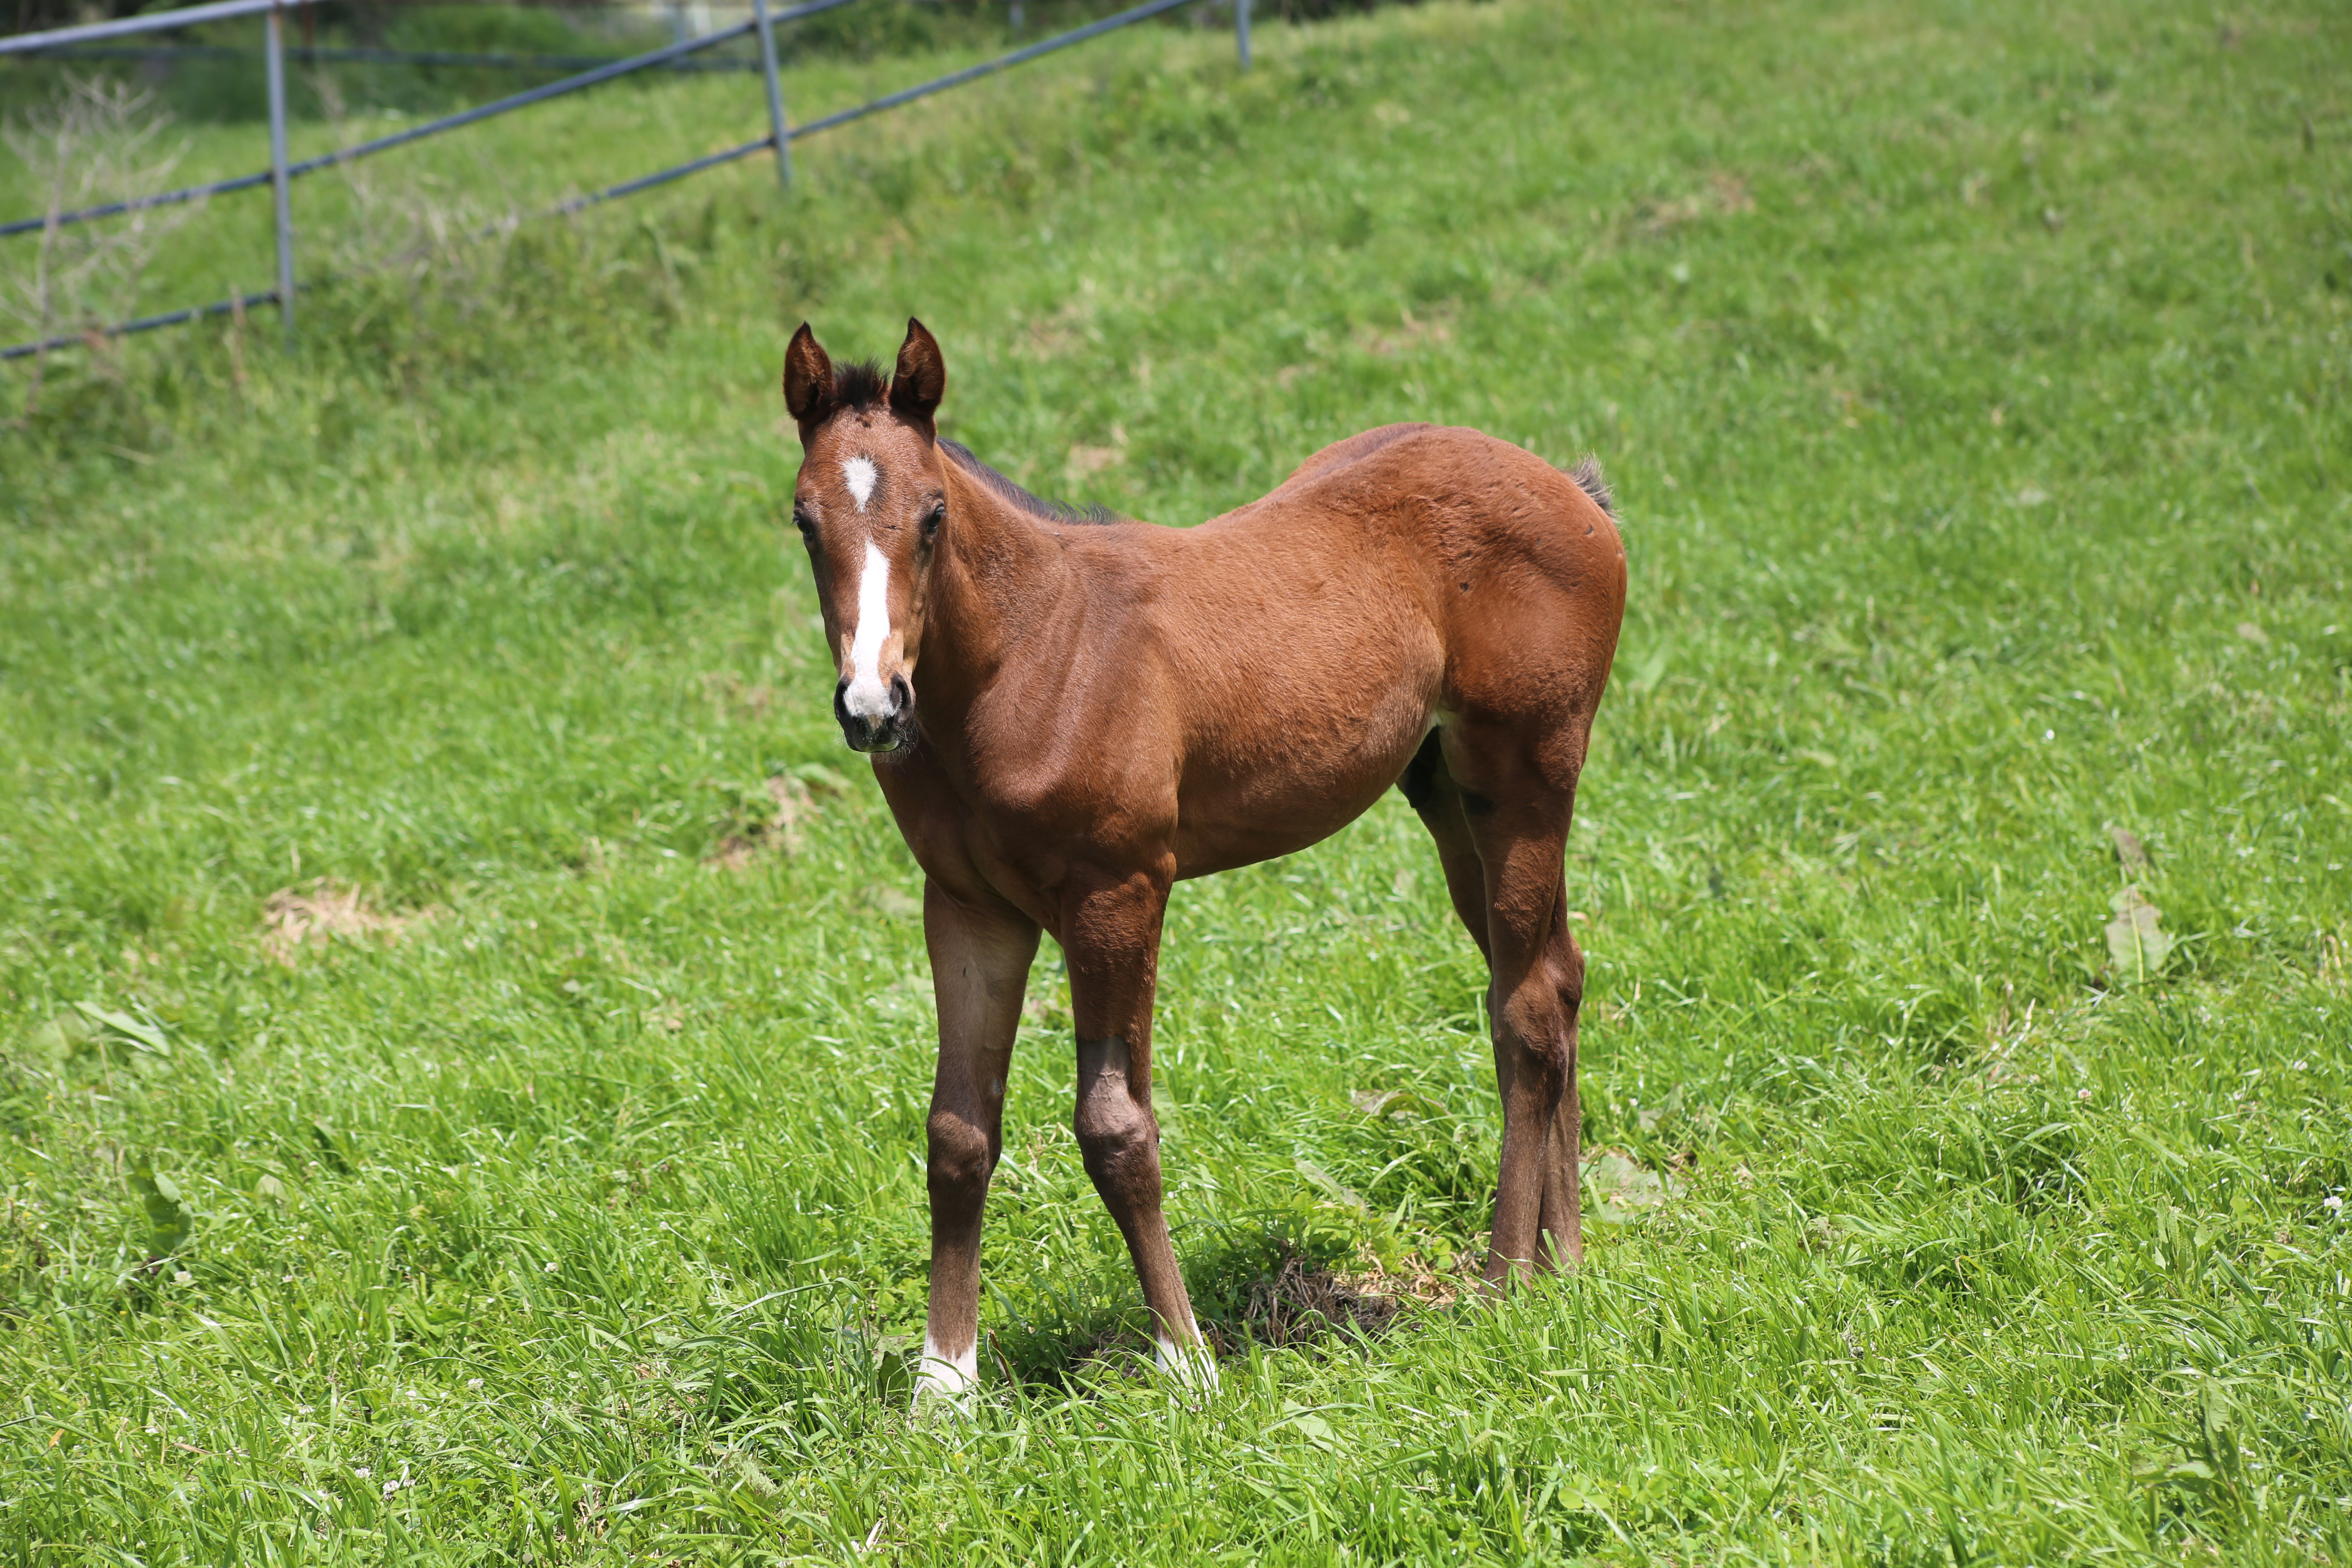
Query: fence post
{"points": [[776, 125], [1241, 30], [279, 184]]}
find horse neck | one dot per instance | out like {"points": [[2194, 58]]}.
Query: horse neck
{"points": [[998, 576]]}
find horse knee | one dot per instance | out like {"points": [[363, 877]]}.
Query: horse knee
{"points": [[1119, 1141], [1568, 974], [959, 1157], [1546, 1059], [1534, 1021], [1532, 1014]]}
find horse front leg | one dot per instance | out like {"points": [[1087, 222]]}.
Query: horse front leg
{"points": [[980, 967], [1111, 935]]}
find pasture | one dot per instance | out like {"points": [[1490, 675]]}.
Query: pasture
{"points": [[464, 1031]]}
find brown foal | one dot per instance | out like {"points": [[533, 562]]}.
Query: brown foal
{"points": [[1108, 707]]}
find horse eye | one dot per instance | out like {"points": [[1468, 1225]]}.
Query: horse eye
{"points": [[807, 525], [933, 518]]}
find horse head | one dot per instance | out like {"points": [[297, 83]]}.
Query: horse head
{"points": [[870, 503]]}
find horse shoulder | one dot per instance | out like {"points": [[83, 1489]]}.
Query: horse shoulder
{"points": [[1054, 737]]}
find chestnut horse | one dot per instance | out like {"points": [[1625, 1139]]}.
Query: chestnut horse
{"points": [[1107, 707]]}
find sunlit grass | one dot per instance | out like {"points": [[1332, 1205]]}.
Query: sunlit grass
{"points": [[1974, 385]]}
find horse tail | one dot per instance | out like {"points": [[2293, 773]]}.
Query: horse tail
{"points": [[1587, 475]]}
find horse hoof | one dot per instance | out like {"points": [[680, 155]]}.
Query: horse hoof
{"points": [[1193, 1367], [937, 1401], [947, 1382]]}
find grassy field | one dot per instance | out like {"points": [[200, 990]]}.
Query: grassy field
{"points": [[1974, 378]]}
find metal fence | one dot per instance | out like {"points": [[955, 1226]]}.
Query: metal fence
{"points": [[282, 172], [343, 55]]}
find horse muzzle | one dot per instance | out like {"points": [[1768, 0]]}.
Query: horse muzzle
{"points": [[875, 717]]}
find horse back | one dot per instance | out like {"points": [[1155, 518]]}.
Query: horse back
{"points": [[1516, 564], [1339, 453], [1464, 503]]}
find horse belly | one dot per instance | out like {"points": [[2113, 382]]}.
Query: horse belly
{"points": [[1285, 762]]}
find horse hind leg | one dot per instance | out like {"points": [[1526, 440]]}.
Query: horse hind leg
{"points": [[1532, 1056], [1561, 1221], [1436, 799], [1487, 862]]}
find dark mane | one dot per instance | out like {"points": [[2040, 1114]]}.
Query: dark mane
{"points": [[860, 384], [1036, 506], [1587, 475]]}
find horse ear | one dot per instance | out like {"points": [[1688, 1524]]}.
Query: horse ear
{"points": [[808, 382], [921, 378]]}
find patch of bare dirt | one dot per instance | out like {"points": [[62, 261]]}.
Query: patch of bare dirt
{"points": [[778, 831], [1410, 332], [1620, 1189], [1725, 193], [1084, 462], [736, 699], [311, 918], [1302, 1305], [1055, 337]]}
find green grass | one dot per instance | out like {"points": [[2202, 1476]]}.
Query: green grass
{"points": [[1974, 379]]}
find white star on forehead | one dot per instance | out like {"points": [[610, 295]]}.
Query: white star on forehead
{"points": [[859, 474]]}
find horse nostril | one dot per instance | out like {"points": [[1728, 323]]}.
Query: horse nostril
{"points": [[902, 696]]}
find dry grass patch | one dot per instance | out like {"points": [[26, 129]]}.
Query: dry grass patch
{"points": [[1303, 1305], [1725, 193], [1411, 332], [756, 835], [327, 912]]}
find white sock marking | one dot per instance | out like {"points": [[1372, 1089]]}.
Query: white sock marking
{"points": [[868, 697], [949, 1377], [1195, 1366], [859, 474]]}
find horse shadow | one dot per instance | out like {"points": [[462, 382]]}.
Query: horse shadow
{"points": [[1272, 1286]]}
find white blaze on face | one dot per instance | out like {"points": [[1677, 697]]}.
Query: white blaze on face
{"points": [[869, 696], [859, 474]]}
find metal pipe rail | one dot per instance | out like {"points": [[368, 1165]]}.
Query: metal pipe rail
{"points": [[780, 137], [281, 177], [988, 68], [506, 105], [145, 323], [890, 101], [344, 55], [154, 22]]}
